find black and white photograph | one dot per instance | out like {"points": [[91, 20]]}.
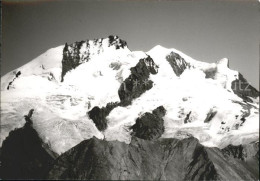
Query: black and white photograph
{"points": [[130, 90]]}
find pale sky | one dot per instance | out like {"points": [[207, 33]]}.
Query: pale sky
{"points": [[206, 30]]}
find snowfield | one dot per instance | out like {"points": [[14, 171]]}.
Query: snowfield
{"points": [[60, 108]]}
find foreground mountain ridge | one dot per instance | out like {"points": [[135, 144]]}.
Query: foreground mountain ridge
{"points": [[100, 88], [25, 156]]}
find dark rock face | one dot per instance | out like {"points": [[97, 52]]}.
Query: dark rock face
{"points": [[71, 57], [24, 156], [16, 76], [166, 159], [118, 43], [243, 89], [138, 82], [187, 118], [150, 126], [210, 73], [177, 63], [98, 115], [210, 116], [28, 117], [159, 111]]}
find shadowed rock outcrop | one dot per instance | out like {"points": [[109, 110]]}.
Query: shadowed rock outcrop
{"points": [[98, 115], [138, 81], [187, 118], [177, 63], [150, 126], [16, 76], [210, 115], [210, 73]]}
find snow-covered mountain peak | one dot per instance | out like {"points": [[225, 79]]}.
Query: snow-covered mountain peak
{"points": [[223, 62], [158, 48], [100, 88], [46, 66]]}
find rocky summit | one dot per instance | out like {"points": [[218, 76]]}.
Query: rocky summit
{"points": [[94, 109]]}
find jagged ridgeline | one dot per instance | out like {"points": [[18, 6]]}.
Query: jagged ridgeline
{"points": [[100, 111]]}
